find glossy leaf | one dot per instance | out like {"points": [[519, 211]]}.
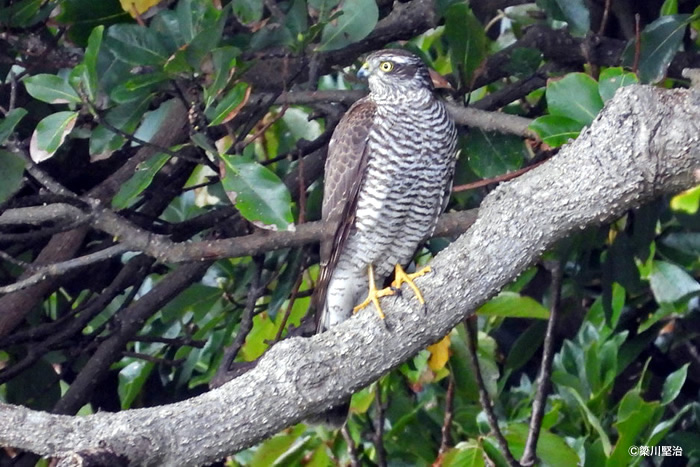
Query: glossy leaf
{"points": [[88, 75], [126, 117], [670, 283], [491, 154], [357, 20], [673, 384], [512, 305], [136, 45], [464, 454], [612, 79], [573, 12], [12, 174], [50, 133], [551, 449], [257, 192], [556, 130], [230, 105], [467, 40], [131, 379], [247, 11], [84, 15], [51, 89], [660, 42], [8, 124], [575, 96], [142, 178]]}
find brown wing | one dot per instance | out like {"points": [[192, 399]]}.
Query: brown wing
{"points": [[345, 167]]}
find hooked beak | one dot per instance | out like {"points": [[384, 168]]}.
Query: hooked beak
{"points": [[364, 71]]}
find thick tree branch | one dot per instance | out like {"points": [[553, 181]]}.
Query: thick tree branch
{"points": [[644, 145]]}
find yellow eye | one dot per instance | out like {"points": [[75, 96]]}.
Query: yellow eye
{"points": [[386, 67]]}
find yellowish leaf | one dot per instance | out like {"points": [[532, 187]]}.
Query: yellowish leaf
{"points": [[439, 354], [138, 7]]}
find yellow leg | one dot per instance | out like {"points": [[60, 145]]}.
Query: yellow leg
{"points": [[373, 295], [400, 277]]}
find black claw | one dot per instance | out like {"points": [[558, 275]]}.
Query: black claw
{"points": [[424, 306], [386, 325]]}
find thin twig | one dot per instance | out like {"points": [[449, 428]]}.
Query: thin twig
{"points": [[500, 178], [153, 359], [449, 414], [179, 342], [58, 269], [290, 305], [245, 325], [470, 325], [379, 427], [637, 43], [604, 20], [538, 405], [352, 449]]}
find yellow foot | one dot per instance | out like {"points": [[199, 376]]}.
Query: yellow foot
{"points": [[374, 295], [400, 277]]}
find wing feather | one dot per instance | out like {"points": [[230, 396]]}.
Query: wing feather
{"points": [[344, 173]]}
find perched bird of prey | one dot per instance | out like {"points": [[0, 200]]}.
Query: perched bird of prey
{"points": [[388, 176]]}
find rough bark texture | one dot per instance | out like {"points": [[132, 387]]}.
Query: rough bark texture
{"points": [[645, 144]]}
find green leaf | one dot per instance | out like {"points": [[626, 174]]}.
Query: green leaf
{"points": [[669, 283], [660, 42], [573, 12], [139, 87], [512, 305], [556, 130], [12, 174], [673, 384], [323, 8], [272, 451], [89, 74], [464, 454], [551, 449], [50, 133], [491, 154], [82, 16], [687, 202], [229, 105], [634, 416], [136, 45], [574, 96], [25, 13], [34, 387], [612, 79], [8, 124], [466, 39], [247, 11], [670, 7], [258, 193], [131, 379], [592, 420], [142, 178], [51, 89], [103, 141], [525, 346], [224, 61], [357, 21]]}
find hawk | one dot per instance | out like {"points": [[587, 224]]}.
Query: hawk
{"points": [[388, 176]]}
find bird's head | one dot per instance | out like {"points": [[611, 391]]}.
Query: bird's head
{"points": [[392, 71]]}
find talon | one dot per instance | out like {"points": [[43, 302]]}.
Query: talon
{"points": [[401, 277], [374, 295]]}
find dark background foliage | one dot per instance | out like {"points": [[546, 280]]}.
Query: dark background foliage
{"points": [[129, 128]]}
